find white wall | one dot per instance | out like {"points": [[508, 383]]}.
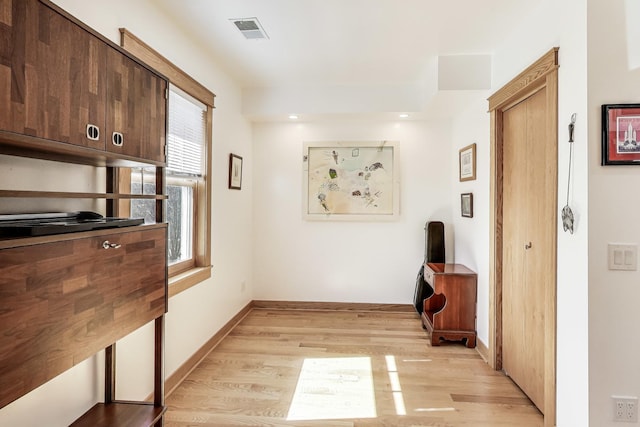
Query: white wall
{"points": [[613, 311], [196, 314], [551, 24], [373, 262], [472, 234]]}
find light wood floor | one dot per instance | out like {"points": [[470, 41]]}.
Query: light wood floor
{"points": [[250, 378]]}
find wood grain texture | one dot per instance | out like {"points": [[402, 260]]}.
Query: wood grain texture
{"points": [[17, 144], [495, 242], [183, 281], [62, 302], [147, 54], [250, 377], [551, 292], [534, 75], [5, 13], [9, 243], [483, 350], [526, 212], [526, 84], [54, 76], [120, 414], [57, 84], [203, 241], [202, 234], [136, 108], [450, 312], [187, 367], [333, 306]]}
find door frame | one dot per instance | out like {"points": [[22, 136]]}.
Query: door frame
{"points": [[541, 75]]}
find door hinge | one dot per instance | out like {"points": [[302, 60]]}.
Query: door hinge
{"points": [[166, 93]]}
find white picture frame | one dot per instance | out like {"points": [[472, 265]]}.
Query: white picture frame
{"points": [[351, 181]]}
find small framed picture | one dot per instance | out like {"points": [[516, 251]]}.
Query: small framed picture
{"points": [[468, 163], [621, 134], [235, 172], [466, 205]]}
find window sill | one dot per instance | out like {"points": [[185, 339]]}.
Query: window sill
{"points": [[185, 280]]}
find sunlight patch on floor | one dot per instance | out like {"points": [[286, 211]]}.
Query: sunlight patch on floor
{"points": [[396, 389], [333, 388]]}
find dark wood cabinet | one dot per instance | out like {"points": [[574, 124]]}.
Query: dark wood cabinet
{"points": [[136, 109], [449, 312], [52, 75], [66, 297], [63, 301], [61, 82]]}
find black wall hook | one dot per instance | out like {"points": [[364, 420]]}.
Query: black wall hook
{"points": [[572, 127]]}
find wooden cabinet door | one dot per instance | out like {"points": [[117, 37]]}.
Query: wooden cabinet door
{"points": [[52, 80], [64, 301], [136, 109]]}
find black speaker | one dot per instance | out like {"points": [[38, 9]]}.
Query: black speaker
{"points": [[434, 242]]}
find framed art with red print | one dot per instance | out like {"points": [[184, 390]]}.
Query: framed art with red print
{"points": [[621, 134]]}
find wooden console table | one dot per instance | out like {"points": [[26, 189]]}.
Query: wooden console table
{"points": [[450, 312]]}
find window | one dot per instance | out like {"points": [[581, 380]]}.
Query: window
{"points": [[181, 205], [186, 140], [188, 171], [185, 180]]}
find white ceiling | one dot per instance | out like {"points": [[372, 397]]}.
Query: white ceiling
{"points": [[355, 43]]}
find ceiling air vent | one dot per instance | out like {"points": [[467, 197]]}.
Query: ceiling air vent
{"points": [[250, 28]]}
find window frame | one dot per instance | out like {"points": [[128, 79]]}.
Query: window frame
{"points": [[194, 183], [185, 276]]}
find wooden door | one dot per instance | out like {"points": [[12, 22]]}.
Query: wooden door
{"points": [[509, 119], [528, 240], [136, 109], [52, 80]]}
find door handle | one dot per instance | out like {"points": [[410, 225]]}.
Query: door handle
{"points": [[108, 245], [527, 245]]}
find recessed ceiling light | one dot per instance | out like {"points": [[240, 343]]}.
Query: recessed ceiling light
{"points": [[293, 116], [403, 116]]}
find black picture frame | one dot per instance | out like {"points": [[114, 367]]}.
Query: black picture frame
{"points": [[620, 134], [466, 205], [235, 172]]}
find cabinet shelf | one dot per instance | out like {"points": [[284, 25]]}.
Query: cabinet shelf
{"points": [[21, 145], [121, 414], [78, 195]]}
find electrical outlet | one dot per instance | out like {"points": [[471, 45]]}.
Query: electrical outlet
{"points": [[619, 410], [625, 408], [632, 410]]}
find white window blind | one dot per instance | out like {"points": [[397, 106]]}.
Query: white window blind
{"points": [[186, 134]]}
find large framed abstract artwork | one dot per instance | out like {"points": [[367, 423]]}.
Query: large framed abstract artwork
{"points": [[351, 181]]}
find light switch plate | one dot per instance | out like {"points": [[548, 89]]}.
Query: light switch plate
{"points": [[623, 256]]}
